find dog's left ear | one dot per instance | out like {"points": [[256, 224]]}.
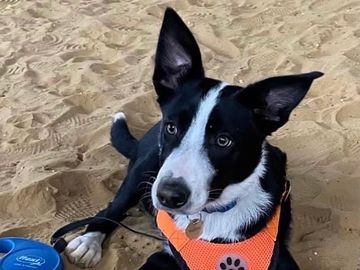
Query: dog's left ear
{"points": [[177, 58], [273, 99]]}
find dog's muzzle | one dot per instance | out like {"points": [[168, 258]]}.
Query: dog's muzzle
{"points": [[173, 193]]}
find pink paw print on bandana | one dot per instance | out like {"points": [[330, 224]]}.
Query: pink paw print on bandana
{"points": [[232, 262]]}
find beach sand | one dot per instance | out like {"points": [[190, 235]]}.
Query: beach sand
{"points": [[67, 66]]}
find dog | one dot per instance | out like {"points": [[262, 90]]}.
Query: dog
{"points": [[206, 160]]}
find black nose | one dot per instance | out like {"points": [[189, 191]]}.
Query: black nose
{"points": [[173, 194]]}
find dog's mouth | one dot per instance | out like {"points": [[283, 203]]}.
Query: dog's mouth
{"points": [[201, 202], [177, 200], [190, 208]]}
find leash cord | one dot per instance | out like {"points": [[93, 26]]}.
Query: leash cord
{"points": [[60, 244], [130, 229]]}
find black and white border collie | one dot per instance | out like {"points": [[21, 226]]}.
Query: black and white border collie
{"points": [[208, 150]]}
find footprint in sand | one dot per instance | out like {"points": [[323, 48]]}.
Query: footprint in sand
{"points": [[75, 55], [76, 47], [305, 187], [108, 69], [306, 216], [348, 116], [7, 172], [314, 40], [338, 194], [203, 3], [263, 62], [4, 4], [76, 208], [9, 1], [86, 198], [39, 71], [90, 8], [72, 117], [74, 50], [52, 40], [16, 69], [85, 102], [333, 5], [261, 20], [206, 36], [354, 54], [352, 144], [121, 38]]}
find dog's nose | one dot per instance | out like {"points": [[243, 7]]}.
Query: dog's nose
{"points": [[173, 195]]}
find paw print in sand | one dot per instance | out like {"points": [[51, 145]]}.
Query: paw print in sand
{"points": [[232, 262]]}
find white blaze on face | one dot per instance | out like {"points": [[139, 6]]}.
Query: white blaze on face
{"points": [[252, 202], [189, 160]]}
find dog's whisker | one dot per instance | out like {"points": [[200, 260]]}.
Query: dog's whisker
{"points": [[145, 197], [146, 184], [147, 193], [145, 187], [217, 189], [150, 173]]}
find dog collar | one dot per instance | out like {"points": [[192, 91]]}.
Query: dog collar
{"points": [[232, 204], [221, 208]]}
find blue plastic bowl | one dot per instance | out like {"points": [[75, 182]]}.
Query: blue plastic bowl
{"points": [[26, 254]]}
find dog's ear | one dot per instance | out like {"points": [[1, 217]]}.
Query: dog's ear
{"points": [[273, 99], [177, 58]]}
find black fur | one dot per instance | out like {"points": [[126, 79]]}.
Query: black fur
{"points": [[120, 132], [246, 115]]}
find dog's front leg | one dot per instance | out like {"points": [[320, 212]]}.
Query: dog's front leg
{"points": [[86, 250], [162, 260]]}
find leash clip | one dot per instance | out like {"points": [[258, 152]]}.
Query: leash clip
{"points": [[286, 192], [59, 244]]}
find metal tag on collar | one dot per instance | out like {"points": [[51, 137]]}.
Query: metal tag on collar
{"points": [[195, 228]]}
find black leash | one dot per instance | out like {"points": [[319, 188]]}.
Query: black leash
{"points": [[59, 243]]}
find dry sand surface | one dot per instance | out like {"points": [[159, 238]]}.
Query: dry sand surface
{"points": [[67, 66]]}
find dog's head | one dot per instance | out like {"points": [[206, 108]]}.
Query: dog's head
{"points": [[212, 133]]}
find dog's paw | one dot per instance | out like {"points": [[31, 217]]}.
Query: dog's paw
{"points": [[232, 262], [85, 250]]}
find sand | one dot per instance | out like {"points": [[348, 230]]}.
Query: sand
{"points": [[67, 66]]}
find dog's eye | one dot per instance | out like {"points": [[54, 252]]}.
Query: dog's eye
{"points": [[223, 141], [171, 129]]}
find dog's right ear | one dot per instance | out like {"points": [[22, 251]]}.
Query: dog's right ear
{"points": [[177, 58]]}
